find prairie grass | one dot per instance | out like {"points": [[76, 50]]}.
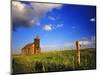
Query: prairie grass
{"points": [[54, 61]]}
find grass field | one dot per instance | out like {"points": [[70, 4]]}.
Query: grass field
{"points": [[54, 61]]}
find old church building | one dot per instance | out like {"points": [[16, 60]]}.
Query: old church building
{"points": [[32, 48]]}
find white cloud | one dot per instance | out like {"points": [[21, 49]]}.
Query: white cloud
{"points": [[22, 15], [44, 7], [92, 19], [29, 14], [18, 5], [85, 42], [47, 27], [51, 18], [59, 25], [50, 27], [32, 22]]}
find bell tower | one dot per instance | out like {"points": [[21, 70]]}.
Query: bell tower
{"points": [[37, 45]]}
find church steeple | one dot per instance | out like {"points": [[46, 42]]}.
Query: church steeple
{"points": [[37, 45], [37, 37]]}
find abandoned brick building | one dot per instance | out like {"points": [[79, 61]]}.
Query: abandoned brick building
{"points": [[32, 48]]}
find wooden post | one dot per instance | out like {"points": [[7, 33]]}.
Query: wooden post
{"points": [[78, 52]]}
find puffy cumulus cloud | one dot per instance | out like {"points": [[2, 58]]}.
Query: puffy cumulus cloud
{"points": [[18, 5], [92, 19], [88, 41], [50, 27], [28, 14], [59, 25], [22, 15], [85, 42], [47, 27], [52, 18], [44, 7]]}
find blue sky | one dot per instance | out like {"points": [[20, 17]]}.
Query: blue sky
{"points": [[57, 25]]}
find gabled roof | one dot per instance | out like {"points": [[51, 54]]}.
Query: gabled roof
{"points": [[28, 45]]}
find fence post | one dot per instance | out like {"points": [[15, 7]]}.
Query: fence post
{"points": [[78, 52]]}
